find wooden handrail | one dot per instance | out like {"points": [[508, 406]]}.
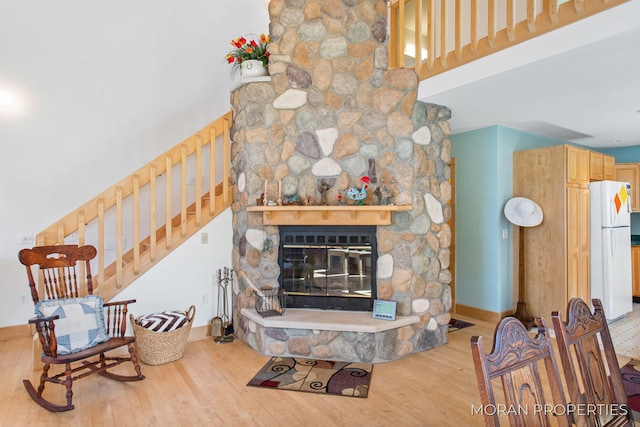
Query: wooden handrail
{"points": [[119, 214], [460, 32]]}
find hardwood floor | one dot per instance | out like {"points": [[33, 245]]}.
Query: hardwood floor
{"points": [[208, 387]]}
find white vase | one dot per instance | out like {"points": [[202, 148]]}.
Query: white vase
{"points": [[253, 68]]}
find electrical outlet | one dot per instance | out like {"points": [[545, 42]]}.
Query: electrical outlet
{"points": [[205, 298], [204, 238], [24, 299]]}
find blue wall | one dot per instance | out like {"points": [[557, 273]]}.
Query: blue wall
{"points": [[484, 183], [624, 154], [476, 220]]}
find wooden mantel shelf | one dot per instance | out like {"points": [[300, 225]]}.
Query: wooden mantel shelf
{"points": [[327, 215]]}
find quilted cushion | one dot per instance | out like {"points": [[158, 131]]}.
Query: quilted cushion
{"points": [[81, 322], [163, 322]]}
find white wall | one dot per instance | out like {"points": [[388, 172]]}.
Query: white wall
{"points": [[187, 275], [99, 90]]}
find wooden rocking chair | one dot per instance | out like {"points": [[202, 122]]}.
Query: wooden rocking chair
{"points": [[86, 327]]}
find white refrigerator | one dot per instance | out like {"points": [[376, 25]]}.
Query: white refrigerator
{"points": [[610, 235]]}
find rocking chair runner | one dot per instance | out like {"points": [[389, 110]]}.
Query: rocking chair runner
{"points": [[65, 301]]}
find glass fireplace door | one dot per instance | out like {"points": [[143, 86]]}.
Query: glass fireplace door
{"points": [[340, 271], [329, 268]]}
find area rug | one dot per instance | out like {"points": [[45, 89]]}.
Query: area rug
{"points": [[315, 376], [455, 324], [631, 377]]}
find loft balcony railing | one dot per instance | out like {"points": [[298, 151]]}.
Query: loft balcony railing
{"points": [[438, 35], [142, 218]]}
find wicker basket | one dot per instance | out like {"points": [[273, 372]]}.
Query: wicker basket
{"points": [[156, 348]]}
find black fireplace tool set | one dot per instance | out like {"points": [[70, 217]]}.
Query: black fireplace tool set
{"points": [[222, 325]]}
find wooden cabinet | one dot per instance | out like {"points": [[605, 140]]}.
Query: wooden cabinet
{"points": [[596, 166], [556, 252], [577, 166], [601, 166], [635, 270], [578, 249], [630, 172], [609, 167]]}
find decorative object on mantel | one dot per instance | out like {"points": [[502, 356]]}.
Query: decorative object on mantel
{"points": [[384, 194], [315, 376], [372, 171], [250, 57], [265, 199], [279, 201], [358, 195], [324, 184], [291, 199]]}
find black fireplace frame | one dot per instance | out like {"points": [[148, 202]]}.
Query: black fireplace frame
{"points": [[330, 235]]}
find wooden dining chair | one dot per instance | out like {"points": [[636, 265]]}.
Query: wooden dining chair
{"points": [[76, 329], [590, 366], [518, 359]]}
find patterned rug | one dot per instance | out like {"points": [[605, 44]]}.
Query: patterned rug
{"points": [[455, 324], [315, 376], [631, 377]]}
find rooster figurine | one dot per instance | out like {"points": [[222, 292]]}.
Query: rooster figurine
{"points": [[358, 195]]}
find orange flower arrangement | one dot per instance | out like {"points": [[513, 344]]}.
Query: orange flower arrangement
{"points": [[249, 49]]}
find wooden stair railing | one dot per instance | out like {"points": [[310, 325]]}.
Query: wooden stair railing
{"points": [[136, 208], [450, 33]]}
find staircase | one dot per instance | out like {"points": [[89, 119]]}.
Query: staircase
{"points": [[142, 218]]}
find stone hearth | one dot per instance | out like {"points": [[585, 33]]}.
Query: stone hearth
{"points": [[332, 110]]}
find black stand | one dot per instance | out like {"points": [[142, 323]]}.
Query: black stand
{"points": [[521, 309]]}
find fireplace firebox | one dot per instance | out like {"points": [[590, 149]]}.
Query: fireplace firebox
{"points": [[328, 267]]}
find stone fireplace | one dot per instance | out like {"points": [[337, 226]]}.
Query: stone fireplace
{"points": [[331, 110]]}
